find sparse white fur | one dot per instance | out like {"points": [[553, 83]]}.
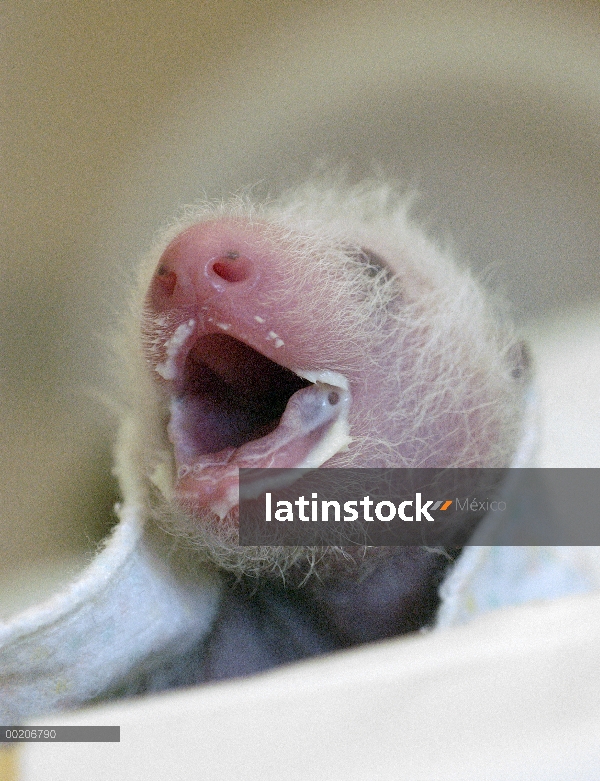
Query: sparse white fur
{"points": [[441, 361]]}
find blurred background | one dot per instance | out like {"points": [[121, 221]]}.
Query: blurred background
{"points": [[116, 114]]}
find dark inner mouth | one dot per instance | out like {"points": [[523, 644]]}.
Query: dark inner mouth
{"points": [[229, 394]]}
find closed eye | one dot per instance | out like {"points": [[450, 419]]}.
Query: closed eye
{"points": [[374, 263]]}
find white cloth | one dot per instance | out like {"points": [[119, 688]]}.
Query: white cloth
{"points": [[488, 577], [125, 606]]}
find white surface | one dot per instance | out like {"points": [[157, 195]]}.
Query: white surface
{"points": [[498, 699]]}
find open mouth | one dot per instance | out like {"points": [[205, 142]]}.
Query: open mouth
{"points": [[232, 407]]}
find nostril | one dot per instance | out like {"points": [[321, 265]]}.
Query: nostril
{"points": [[232, 267]]}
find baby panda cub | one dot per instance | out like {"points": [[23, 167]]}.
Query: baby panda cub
{"points": [[323, 329]]}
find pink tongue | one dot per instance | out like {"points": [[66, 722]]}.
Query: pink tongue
{"points": [[211, 482]]}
